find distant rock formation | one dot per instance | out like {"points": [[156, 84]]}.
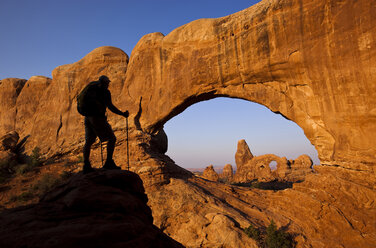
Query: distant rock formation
{"points": [[101, 209], [210, 174], [251, 168], [243, 154], [300, 167], [227, 173]]}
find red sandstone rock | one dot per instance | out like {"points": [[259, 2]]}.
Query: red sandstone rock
{"points": [[28, 102], [243, 155], [210, 174], [10, 88], [258, 168], [300, 167], [227, 173]]}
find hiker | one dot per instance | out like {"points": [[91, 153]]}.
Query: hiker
{"points": [[92, 103]]}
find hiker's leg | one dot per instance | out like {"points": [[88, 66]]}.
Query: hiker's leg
{"points": [[110, 164], [111, 147], [90, 138], [105, 133], [87, 148]]}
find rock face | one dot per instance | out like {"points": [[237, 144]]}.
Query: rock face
{"points": [[10, 89], [210, 174], [101, 209], [198, 218], [45, 110], [28, 102], [311, 61]]}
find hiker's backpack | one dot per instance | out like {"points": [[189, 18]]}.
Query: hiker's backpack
{"points": [[88, 101]]}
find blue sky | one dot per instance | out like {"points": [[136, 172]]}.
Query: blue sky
{"points": [[39, 35]]}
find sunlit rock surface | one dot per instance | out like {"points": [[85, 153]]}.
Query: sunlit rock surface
{"points": [[227, 173], [251, 168], [210, 174], [10, 88]]}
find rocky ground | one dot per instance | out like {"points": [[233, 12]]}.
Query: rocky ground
{"points": [[101, 209], [202, 213]]}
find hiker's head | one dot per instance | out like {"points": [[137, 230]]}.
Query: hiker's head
{"points": [[104, 80]]}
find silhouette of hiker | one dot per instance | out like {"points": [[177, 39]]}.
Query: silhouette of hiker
{"points": [[92, 103]]}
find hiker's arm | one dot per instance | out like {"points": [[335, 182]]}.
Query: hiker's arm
{"points": [[112, 107]]}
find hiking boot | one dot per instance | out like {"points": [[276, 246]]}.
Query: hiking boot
{"points": [[110, 165], [87, 168]]}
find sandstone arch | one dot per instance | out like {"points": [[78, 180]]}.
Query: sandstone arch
{"points": [[275, 54]]}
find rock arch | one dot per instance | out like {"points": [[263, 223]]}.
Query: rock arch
{"points": [[274, 54]]}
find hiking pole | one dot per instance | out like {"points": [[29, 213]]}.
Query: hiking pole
{"points": [[127, 144], [101, 152]]}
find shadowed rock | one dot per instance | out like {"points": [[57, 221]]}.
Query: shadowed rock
{"points": [[100, 209], [9, 141]]}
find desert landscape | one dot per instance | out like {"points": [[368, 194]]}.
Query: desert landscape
{"points": [[313, 62]]}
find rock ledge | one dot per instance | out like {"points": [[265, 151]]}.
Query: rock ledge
{"points": [[101, 209]]}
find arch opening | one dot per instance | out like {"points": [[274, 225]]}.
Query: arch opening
{"points": [[273, 165], [207, 132]]}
